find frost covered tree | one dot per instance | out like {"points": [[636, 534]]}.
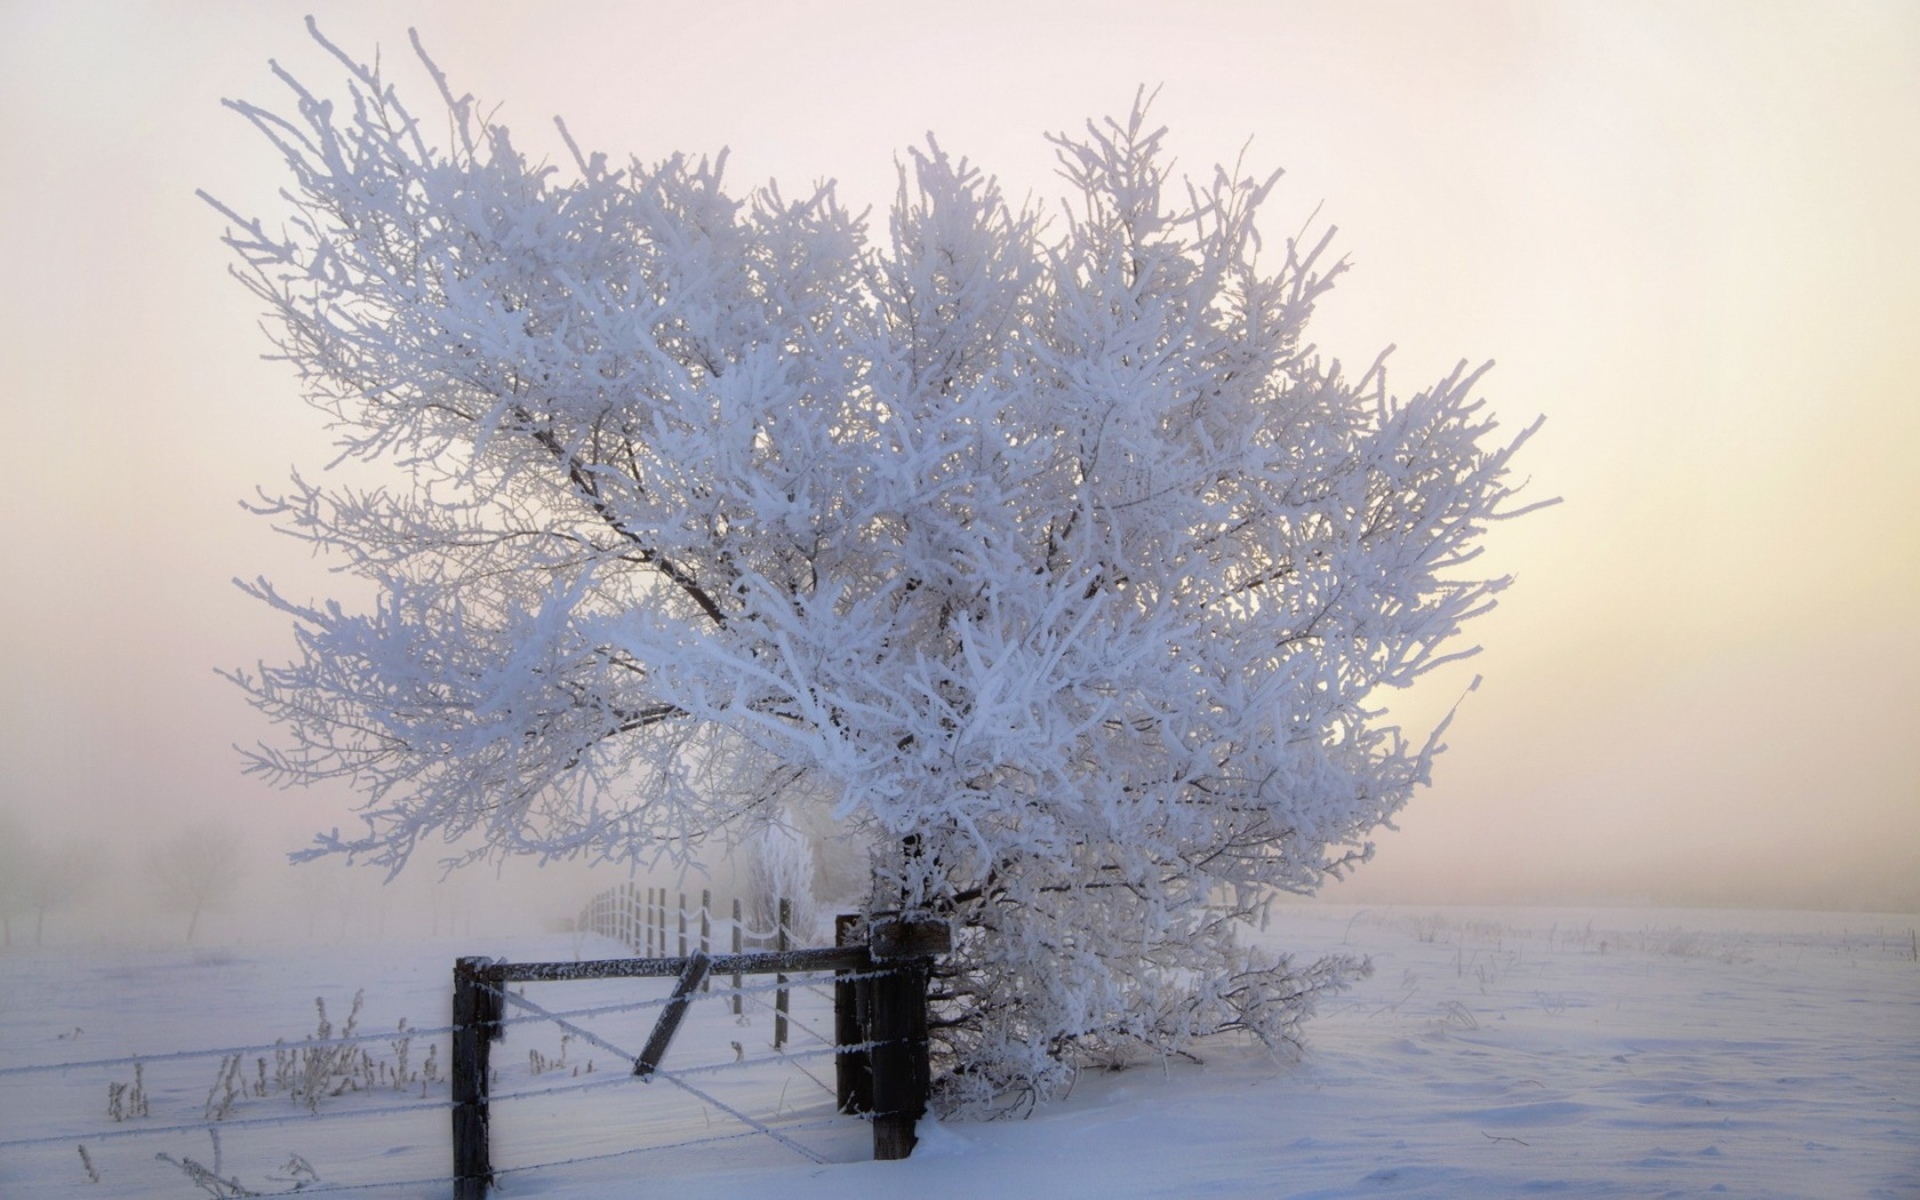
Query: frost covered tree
{"points": [[61, 877], [780, 867], [39, 879], [1047, 544]]}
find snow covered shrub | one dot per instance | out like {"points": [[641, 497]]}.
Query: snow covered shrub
{"points": [[1052, 551]]}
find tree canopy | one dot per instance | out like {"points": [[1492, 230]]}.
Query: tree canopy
{"points": [[1043, 543]]}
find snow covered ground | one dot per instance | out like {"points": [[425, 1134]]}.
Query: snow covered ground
{"points": [[1494, 1052]]}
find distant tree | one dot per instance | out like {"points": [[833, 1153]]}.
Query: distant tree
{"points": [[38, 879], [59, 878], [1054, 552], [195, 871], [16, 859]]}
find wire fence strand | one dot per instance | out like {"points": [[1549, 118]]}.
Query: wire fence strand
{"points": [[102, 1135], [127, 1060], [564, 1019], [673, 1077], [747, 991]]}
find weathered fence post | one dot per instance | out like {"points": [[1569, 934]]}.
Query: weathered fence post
{"points": [[736, 950], [476, 1025], [852, 1068], [781, 942], [897, 1027], [706, 929], [691, 976], [683, 924]]}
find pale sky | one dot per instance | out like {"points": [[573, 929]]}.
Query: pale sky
{"points": [[1688, 233]]}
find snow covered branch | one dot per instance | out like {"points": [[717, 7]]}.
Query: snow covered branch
{"points": [[1052, 549]]}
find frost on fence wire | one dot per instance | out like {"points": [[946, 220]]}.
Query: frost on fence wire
{"points": [[338, 1072], [292, 1091], [483, 991], [879, 1028]]}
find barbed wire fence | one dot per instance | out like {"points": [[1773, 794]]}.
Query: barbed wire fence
{"points": [[766, 1090], [878, 1006]]}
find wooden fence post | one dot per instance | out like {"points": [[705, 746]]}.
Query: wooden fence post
{"points": [[852, 1069], [900, 1068], [706, 930], [683, 924], [691, 977], [736, 950], [897, 1027], [781, 942], [476, 1025]]}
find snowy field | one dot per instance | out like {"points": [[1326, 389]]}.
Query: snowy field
{"points": [[1494, 1052]]}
